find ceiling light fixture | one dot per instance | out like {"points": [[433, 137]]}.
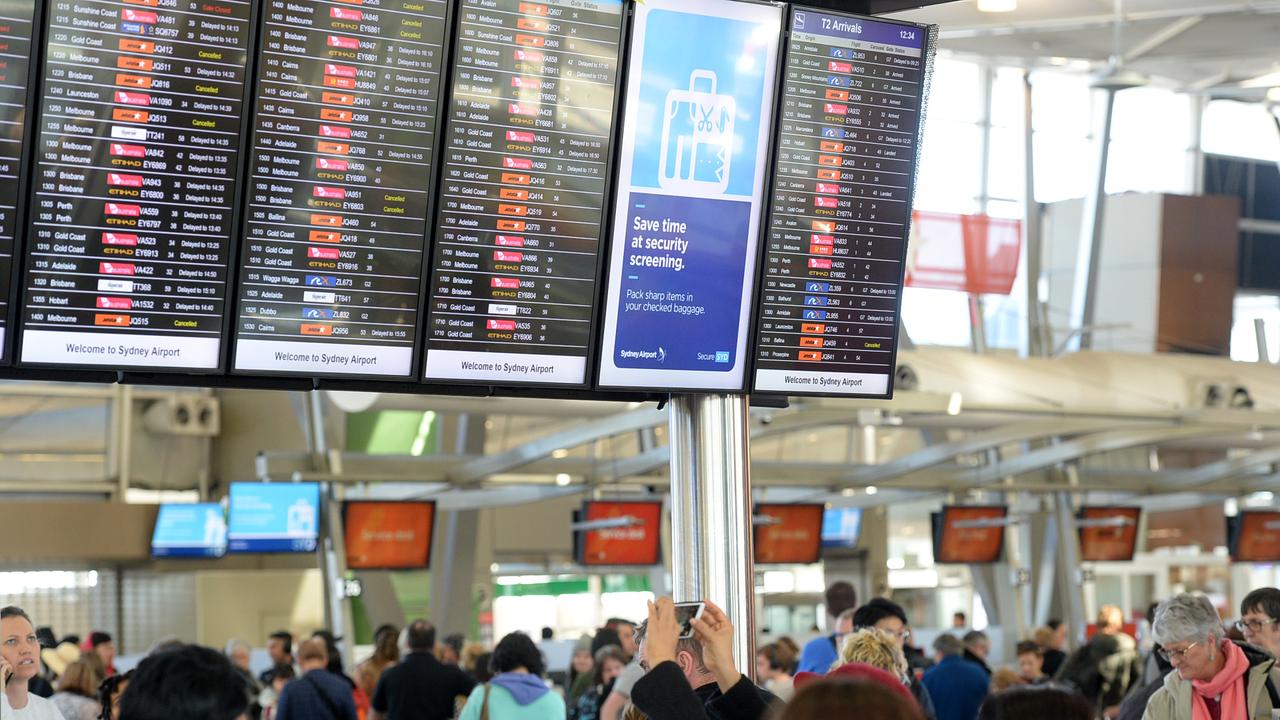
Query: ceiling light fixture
{"points": [[997, 5]]}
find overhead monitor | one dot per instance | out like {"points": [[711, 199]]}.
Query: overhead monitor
{"points": [[836, 244], [336, 225], [273, 517], [134, 211], [787, 534], [194, 530], [969, 534], [633, 538], [17, 20], [513, 283], [841, 527], [696, 135], [388, 535], [1108, 534], [1254, 536]]}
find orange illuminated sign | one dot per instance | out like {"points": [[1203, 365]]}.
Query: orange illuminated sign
{"points": [[1254, 536], [388, 535], [1108, 534], [969, 534], [788, 534], [633, 542]]}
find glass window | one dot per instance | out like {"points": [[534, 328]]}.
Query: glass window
{"points": [[1240, 129], [1244, 339], [1008, 106], [1007, 172], [1063, 166], [1062, 102], [956, 93], [950, 173], [936, 317]]}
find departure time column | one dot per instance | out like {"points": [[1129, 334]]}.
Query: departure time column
{"points": [[15, 59]]}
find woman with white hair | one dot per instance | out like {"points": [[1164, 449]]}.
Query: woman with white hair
{"points": [[1213, 678]]}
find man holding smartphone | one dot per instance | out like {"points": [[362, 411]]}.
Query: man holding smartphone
{"points": [[694, 677], [19, 662]]}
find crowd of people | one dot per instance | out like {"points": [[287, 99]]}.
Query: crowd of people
{"points": [[1199, 669]]}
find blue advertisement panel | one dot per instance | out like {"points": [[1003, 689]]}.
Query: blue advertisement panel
{"points": [[841, 527], [273, 517], [190, 530], [695, 146]]}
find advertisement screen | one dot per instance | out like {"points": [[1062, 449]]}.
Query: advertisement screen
{"points": [[388, 535], [1110, 534], [695, 153], [841, 527], [1254, 536], [788, 534], [635, 542], [192, 530], [273, 517], [969, 534], [526, 168]]}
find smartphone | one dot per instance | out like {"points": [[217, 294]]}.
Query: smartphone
{"points": [[685, 612]]}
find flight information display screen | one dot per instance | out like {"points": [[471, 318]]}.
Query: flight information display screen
{"points": [[513, 282], [340, 188], [16, 18], [135, 183], [832, 283]]}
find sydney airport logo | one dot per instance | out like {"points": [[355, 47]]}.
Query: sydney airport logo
{"points": [[660, 354]]}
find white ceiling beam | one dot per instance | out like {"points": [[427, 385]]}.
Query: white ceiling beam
{"points": [[1162, 36]]}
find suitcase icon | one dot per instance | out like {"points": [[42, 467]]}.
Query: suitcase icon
{"points": [[697, 138]]}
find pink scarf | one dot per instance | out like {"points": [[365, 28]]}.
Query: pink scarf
{"points": [[1227, 685]]}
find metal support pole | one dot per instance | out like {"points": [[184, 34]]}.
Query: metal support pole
{"points": [[125, 468], [1089, 254], [1260, 333], [711, 536], [977, 325], [1069, 567], [1196, 161], [1033, 263], [1045, 576]]}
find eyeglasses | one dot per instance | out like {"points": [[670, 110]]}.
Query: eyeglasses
{"points": [[1254, 625], [1171, 655]]}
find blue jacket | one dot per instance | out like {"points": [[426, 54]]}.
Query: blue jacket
{"points": [[818, 654], [957, 687], [302, 698]]}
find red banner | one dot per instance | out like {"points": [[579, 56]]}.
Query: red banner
{"points": [[969, 253]]}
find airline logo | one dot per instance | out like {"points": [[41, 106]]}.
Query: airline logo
{"points": [[828, 174], [131, 151], [125, 115], [344, 83], [122, 209], [514, 163], [120, 239], [821, 250], [115, 286], [133, 27], [829, 160], [835, 109], [328, 192], [811, 342], [504, 283], [345, 14], [319, 297], [533, 9], [521, 136], [331, 164], [816, 287], [324, 236], [341, 70], [317, 314], [819, 264], [813, 329], [534, 24], [839, 67], [839, 81], [323, 253], [345, 43], [518, 109], [122, 132], [509, 241], [320, 281], [511, 225], [513, 194], [331, 147], [507, 325], [142, 16], [826, 202], [111, 320], [124, 62], [324, 330], [335, 131], [516, 179], [110, 268], [829, 146], [513, 210], [326, 220], [837, 133], [147, 3], [841, 95], [138, 81], [332, 115], [828, 188], [823, 240], [124, 180], [524, 82], [815, 314], [128, 98], [111, 303], [809, 356], [815, 301], [842, 53], [137, 46], [533, 56], [504, 310], [824, 226], [530, 40], [502, 256], [333, 98]]}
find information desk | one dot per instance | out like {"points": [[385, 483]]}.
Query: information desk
{"points": [[336, 231], [133, 212], [835, 258], [513, 284]]}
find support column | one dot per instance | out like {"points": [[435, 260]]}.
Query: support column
{"points": [[711, 535], [453, 564], [1034, 344], [1089, 254], [1068, 565]]}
